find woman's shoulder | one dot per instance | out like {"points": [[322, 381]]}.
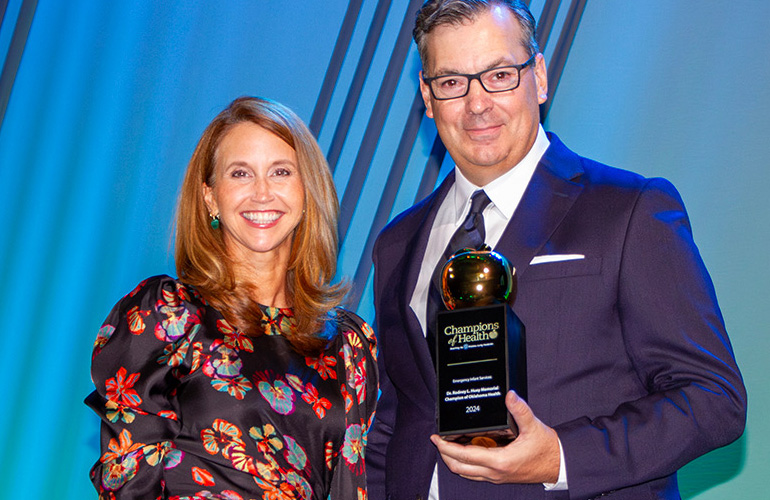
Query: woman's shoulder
{"points": [[164, 286], [156, 291], [156, 321], [353, 329], [157, 303]]}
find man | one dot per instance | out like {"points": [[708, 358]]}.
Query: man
{"points": [[630, 371]]}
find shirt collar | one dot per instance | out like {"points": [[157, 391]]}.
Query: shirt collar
{"points": [[499, 190]]}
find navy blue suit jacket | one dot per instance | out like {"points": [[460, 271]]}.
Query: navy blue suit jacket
{"points": [[627, 354]]}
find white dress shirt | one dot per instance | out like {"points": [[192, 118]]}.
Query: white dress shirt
{"points": [[505, 193]]}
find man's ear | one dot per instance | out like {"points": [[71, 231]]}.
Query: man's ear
{"points": [[541, 77], [425, 90]]}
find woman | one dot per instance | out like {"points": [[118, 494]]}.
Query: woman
{"points": [[242, 378]]}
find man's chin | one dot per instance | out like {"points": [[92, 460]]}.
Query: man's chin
{"points": [[481, 172], [485, 158]]}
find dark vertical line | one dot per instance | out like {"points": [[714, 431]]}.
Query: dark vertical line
{"points": [[335, 64], [545, 23], [388, 197], [379, 113], [15, 51], [362, 70], [3, 8], [432, 169], [563, 46]]}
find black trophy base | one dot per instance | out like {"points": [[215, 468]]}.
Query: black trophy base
{"points": [[487, 439], [479, 357]]}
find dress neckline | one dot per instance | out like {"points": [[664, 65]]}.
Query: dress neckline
{"points": [[278, 320]]}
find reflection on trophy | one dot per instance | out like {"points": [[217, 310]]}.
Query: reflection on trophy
{"points": [[479, 349], [475, 278]]}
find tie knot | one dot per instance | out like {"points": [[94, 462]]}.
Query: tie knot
{"points": [[479, 201]]}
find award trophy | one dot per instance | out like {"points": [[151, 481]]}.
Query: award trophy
{"points": [[480, 351]]}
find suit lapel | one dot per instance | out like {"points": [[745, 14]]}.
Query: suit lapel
{"points": [[551, 192], [424, 218], [422, 228]]}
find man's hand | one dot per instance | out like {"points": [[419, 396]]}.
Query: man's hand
{"points": [[533, 457]]}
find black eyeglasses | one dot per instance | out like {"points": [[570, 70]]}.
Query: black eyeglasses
{"points": [[500, 79]]}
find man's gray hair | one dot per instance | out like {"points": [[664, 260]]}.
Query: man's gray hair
{"points": [[434, 13]]}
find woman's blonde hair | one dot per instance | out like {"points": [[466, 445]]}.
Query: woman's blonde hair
{"points": [[201, 256]]}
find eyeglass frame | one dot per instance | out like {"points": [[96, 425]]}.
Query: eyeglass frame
{"points": [[477, 76]]}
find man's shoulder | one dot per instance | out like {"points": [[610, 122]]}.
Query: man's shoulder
{"points": [[413, 218], [402, 228], [600, 174], [601, 178], [595, 174]]}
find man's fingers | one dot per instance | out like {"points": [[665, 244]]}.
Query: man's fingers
{"points": [[465, 460]]}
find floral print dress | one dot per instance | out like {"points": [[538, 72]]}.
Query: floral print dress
{"points": [[192, 408]]}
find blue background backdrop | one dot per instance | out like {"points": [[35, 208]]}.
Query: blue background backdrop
{"points": [[111, 97]]}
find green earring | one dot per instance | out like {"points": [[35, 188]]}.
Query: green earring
{"points": [[214, 221]]}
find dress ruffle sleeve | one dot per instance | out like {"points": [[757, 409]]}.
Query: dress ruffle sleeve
{"points": [[358, 383], [144, 350]]}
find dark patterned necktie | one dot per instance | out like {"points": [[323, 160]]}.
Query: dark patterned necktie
{"points": [[470, 234]]}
